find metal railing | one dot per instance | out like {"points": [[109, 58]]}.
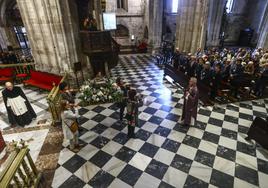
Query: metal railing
{"points": [[53, 100], [20, 170], [22, 68]]}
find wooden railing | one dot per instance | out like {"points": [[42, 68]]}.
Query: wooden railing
{"points": [[53, 100], [23, 68], [20, 170]]}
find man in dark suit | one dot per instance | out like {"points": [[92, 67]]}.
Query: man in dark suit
{"points": [[236, 76], [205, 75], [215, 81], [190, 69]]}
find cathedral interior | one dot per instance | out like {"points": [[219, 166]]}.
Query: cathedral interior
{"points": [[134, 93]]}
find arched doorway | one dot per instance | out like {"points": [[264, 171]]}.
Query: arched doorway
{"points": [[121, 31], [12, 25], [145, 34]]}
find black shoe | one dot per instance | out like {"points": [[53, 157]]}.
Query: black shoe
{"points": [[247, 138]]}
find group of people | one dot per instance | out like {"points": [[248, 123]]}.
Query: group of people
{"points": [[234, 67], [130, 101], [10, 57]]}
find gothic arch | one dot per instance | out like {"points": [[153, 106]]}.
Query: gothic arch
{"points": [[121, 31], [146, 33]]}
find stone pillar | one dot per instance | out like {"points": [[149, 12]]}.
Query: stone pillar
{"points": [[155, 22], [263, 30], [98, 12], [191, 25], [53, 33], [216, 10], [3, 39]]}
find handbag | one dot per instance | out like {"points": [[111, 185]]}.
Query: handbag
{"points": [[74, 126]]}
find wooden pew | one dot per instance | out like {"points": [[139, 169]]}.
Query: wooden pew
{"points": [[182, 79]]}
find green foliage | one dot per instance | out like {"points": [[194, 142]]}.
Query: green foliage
{"points": [[105, 91]]}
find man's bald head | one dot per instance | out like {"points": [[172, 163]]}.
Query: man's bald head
{"points": [[9, 85]]}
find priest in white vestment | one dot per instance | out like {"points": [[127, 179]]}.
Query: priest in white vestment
{"points": [[19, 110]]}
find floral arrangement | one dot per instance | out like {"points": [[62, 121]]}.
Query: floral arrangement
{"points": [[104, 91]]}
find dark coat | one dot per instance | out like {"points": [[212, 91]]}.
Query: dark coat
{"points": [[21, 120], [70, 97], [205, 76], [190, 105], [190, 68]]}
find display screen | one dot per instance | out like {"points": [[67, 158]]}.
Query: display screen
{"points": [[109, 21]]}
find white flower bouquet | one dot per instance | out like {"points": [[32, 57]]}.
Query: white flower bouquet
{"points": [[106, 91]]}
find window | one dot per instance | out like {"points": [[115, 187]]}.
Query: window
{"points": [[229, 6], [122, 4], [21, 36], [175, 4]]}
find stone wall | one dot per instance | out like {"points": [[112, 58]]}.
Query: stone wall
{"points": [[132, 18], [255, 16], [169, 22], [236, 21], [245, 14]]}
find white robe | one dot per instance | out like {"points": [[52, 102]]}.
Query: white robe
{"points": [[68, 117], [17, 105]]}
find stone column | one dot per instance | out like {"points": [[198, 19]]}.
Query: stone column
{"points": [[216, 10], [155, 23], [263, 30], [98, 11], [191, 25], [53, 33], [3, 39]]}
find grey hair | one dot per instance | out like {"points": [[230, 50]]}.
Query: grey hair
{"points": [[193, 79]]}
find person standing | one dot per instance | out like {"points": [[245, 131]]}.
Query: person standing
{"points": [[215, 81], [18, 107], [190, 104], [133, 104], [67, 94], [122, 104], [70, 125]]}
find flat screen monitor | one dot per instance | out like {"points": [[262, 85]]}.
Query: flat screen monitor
{"points": [[109, 21]]}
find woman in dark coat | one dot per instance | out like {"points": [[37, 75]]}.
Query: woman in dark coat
{"points": [[190, 103]]}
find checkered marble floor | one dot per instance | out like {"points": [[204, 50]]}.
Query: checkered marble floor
{"points": [[213, 153], [38, 102]]}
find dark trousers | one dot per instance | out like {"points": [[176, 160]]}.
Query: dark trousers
{"points": [[214, 91], [131, 133], [122, 109]]}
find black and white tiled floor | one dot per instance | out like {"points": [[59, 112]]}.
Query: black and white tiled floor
{"points": [[213, 153]]}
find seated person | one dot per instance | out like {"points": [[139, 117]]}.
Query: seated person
{"points": [[205, 76], [249, 68]]}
